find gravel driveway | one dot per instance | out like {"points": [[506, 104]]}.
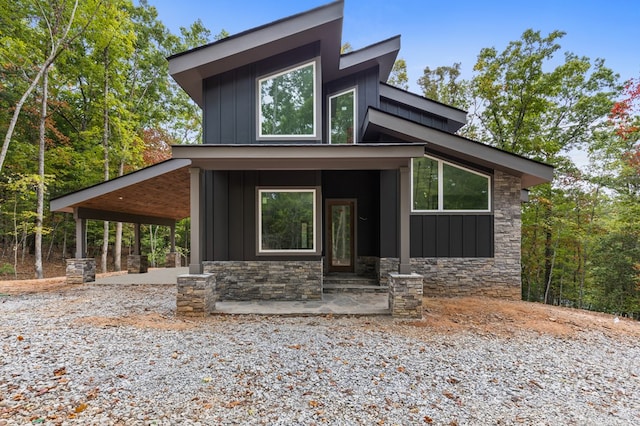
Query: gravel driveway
{"points": [[108, 354]]}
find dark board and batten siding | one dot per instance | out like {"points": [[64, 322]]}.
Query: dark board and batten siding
{"points": [[413, 114], [452, 235]]}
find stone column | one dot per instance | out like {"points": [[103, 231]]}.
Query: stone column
{"points": [[137, 264], [196, 295], [80, 271], [405, 295], [173, 260]]}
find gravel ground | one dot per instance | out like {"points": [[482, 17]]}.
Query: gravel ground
{"points": [[117, 355]]}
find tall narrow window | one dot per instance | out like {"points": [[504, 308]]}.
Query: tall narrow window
{"points": [[437, 185], [342, 117], [287, 221], [287, 103]]}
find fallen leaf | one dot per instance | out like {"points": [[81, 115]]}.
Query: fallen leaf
{"points": [[427, 419], [20, 338], [294, 346], [60, 371], [80, 408], [400, 369], [314, 404]]}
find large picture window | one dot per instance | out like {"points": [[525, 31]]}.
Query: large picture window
{"points": [[287, 221], [342, 117], [437, 185], [287, 103]]}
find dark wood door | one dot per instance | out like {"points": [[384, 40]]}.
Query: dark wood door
{"points": [[341, 235]]}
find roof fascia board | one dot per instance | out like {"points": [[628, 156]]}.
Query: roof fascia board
{"points": [[452, 114], [531, 172], [65, 202], [300, 157], [285, 151], [86, 213]]}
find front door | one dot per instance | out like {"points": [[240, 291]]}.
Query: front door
{"points": [[340, 235]]}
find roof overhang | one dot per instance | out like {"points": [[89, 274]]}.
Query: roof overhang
{"points": [[323, 24], [157, 194], [531, 172], [382, 54], [299, 157], [455, 117]]}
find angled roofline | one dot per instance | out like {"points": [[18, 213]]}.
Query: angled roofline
{"points": [[456, 117], [66, 202], [530, 171], [323, 23], [382, 53]]}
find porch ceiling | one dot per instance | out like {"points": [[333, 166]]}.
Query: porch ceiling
{"points": [[157, 194]]}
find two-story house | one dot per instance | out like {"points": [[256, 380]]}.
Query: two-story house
{"points": [[313, 168]]}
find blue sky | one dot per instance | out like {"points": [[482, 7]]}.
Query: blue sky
{"points": [[437, 32]]}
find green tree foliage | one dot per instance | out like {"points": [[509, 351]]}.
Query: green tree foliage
{"points": [[399, 77], [443, 84]]}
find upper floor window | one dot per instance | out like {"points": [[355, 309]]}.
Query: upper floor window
{"points": [[437, 185], [342, 117], [287, 103]]}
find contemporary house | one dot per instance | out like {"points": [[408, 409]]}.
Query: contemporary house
{"points": [[313, 171]]}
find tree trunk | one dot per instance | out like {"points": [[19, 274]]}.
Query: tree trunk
{"points": [[40, 190], [105, 150]]}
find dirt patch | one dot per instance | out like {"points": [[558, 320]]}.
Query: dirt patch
{"points": [[15, 287], [508, 317], [146, 321]]}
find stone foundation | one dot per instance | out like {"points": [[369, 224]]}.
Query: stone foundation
{"points": [[80, 271], [173, 260], [137, 264], [196, 295], [267, 280], [405, 295]]}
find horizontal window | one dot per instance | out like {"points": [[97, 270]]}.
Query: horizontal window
{"points": [[287, 221], [287, 103], [437, 185]]}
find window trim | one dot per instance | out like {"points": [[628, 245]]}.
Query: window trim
{"points": [[355, 112], [315, 63], [317, 249], [440, 208]]}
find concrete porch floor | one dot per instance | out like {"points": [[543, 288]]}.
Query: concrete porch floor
{"points": [[337, 304]]}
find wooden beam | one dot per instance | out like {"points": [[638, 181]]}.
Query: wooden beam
{"points": [[85, 213]]}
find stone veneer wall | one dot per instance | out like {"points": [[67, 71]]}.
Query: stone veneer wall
{"points": [[267, 280], [498, 276]]}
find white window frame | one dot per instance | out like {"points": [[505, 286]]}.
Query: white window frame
{"points": [[316, 219], [316, 100], [355, 112], [440, 208]]}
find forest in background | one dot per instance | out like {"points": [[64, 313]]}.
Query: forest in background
{"points": [[85, 96]]}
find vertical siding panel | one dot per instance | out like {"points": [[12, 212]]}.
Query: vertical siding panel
{"points": [[455, 236], [469, 235], [415, 231], [244, 108], [227, 112], [429, 236], [212, 103], [249, 218], [236, 215], [388, 213], [220, 210], [485, 236], [442, 235]]}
